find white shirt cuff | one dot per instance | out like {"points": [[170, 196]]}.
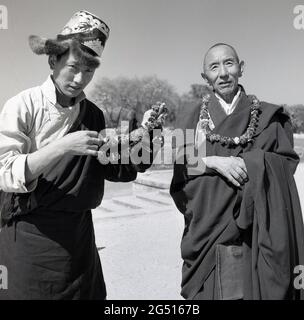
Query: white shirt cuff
{"points": [[18, 173]]}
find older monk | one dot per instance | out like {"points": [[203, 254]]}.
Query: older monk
{"points": [[243, 232]]}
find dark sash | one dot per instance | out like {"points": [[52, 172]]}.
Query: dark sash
{"points": [[77, 183]]}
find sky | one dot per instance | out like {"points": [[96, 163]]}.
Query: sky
{"points": [[167, 38]]}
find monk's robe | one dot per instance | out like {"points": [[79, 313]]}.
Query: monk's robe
{"points": [[47, 237], [263, 217]]}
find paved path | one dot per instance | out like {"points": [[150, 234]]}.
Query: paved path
{"points": [[141, 258]]}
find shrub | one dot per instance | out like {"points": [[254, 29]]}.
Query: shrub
{"points": [[296, 113]]}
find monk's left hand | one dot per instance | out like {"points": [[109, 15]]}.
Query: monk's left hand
{"points": [[232, 168]]}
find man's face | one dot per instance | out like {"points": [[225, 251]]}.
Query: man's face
{"points": [[222, 71], [70, 76]]}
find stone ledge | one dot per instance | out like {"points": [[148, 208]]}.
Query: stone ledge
{"points": [[159, 179]]}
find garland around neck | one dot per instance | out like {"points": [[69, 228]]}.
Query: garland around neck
{"points": [[224, 140]]}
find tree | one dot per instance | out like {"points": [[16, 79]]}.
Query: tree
{"points": [[117, 97], [296, 113], [197, 91], [189, 101]]}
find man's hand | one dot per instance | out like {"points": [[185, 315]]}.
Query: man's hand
{"points": [[157, 114], [232, 168], [81, 143], [146, 117]]}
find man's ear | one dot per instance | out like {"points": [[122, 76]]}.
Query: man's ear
{"points": [[205, 78], [242, 67], [52, 61]]}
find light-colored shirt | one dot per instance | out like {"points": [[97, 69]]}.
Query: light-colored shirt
{"points": [[28, 122], [229, 107]]}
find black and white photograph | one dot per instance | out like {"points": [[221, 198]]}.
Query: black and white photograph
{"points": [[152, 151]]}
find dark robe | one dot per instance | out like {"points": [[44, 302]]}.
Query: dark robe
{"points": [[47, 238], [263, 216]]}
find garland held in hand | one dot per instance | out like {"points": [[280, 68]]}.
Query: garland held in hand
{"points": [[230, 141], [127, 141]]}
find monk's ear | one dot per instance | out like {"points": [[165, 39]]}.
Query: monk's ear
{"points": [[242, 66], [204, 76]]}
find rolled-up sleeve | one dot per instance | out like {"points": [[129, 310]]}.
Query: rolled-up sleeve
{"points": [[15, 144]]}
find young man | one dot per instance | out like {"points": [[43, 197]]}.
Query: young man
{"points": [[243, 224], [49, 173]]}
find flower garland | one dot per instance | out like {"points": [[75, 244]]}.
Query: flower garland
{"points": [[128, 141], [156, 120], [224, 140]]}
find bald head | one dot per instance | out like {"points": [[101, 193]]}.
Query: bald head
{"points": [[230, 48]]}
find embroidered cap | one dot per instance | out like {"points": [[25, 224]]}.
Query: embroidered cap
{"points": [[86, 28], [89, 29]]}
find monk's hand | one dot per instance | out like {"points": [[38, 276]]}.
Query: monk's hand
{"points": [[81, 143], [232, 168]]}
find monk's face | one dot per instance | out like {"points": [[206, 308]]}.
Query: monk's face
{"points": [[70, 76], [222, 70]]}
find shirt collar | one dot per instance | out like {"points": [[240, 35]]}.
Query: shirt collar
{"points": [[49, 90], [229, 107]]}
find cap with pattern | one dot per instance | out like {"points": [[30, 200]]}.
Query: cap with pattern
{"points": [[86, 28]]}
